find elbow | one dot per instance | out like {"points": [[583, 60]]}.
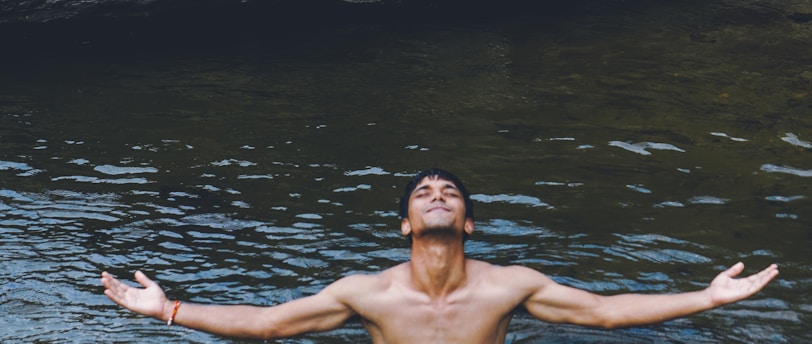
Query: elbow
{"points": [[595, 321], [269, 335], [263, 334], [618, 321], [591, 320], [267, 330], [606, 317], [614, 321], [602, 315], [271, 332], [609, 324]]}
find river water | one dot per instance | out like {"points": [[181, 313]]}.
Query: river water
{"points": [[617, 146]]}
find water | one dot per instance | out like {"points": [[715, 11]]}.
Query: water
{"points": [[616, 146]]}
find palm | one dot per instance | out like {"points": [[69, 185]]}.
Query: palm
{"points": [[726, 289], [148, 301]]}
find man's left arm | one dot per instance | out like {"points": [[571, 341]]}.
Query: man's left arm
{"points": [[561, 304]]}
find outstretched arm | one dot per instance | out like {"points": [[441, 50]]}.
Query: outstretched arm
{"points": [[320, 312], [557, 303]]}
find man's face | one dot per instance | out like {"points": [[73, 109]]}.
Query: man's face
{"points": [[436, 205]]}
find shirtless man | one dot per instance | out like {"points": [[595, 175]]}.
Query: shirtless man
{"points": [[439, 296]]}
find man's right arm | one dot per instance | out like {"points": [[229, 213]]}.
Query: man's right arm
{"points": [[321, 312]]}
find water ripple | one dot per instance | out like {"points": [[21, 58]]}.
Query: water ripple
{"points": [[770, 168], [785, 199], [641, 147], [737, 139], [511, 199], [119, 170], [367, 171], [795, 141], [95, 180], [10, 165], [707, 200]]}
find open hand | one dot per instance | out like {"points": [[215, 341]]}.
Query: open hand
{"points": [[150, 300], [726, 289]]}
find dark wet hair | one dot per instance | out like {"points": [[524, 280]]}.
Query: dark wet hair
{"points": [[441, 174]]}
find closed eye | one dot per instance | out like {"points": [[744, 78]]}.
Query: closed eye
{"points": [[452, 193]]}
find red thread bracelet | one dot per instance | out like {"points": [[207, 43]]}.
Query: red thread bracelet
{"points": [[174, 312]]}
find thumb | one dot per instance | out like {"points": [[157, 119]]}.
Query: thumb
{"points": [[144, 280], [734, 270]]}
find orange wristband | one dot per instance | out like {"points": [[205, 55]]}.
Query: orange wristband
{"points": [[174, 312]]}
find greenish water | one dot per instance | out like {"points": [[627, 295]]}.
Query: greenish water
{"points": [[616, 146]]}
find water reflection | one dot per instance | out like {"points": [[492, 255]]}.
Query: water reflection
{"points": [[614, 147]]}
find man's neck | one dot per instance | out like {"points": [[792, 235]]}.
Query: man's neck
{"points": [[438, 265]]}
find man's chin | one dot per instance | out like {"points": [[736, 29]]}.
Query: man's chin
{"points": [[438, 230]]}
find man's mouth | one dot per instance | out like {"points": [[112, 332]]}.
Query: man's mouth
{"points": [[437, 208]]}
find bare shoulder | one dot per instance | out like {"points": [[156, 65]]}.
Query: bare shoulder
{"points": [[512, 276], [364, 284], [478, 265]]}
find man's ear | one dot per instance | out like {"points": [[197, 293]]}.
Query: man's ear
{"points": [[405, 227], [469, 226]]}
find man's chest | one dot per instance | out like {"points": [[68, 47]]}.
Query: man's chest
{"points": [[469, 319]]}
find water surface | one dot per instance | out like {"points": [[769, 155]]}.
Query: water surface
{"points": [[616, 146]]}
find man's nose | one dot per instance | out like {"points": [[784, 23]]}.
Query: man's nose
{"points": [[438, 196]]}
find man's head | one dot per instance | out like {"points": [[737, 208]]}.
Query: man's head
{"points": [[444, 185]]}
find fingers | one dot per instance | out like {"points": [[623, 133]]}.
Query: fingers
{"points": [[112, 296], [117, 290], [757, 281], [734, 270], [766, 275], [114, 289], [109, 282]]}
